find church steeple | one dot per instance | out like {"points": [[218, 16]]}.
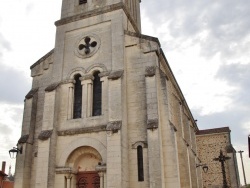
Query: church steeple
{"points": [[87, 8]]}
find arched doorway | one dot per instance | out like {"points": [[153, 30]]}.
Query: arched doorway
{"points": [[84, 161]]}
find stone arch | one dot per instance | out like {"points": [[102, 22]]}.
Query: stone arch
{"points": [[84, 158], [143, 144], [76, 71], [96, 67], [81, 142]]}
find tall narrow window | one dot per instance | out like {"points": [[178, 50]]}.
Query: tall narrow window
{"points": [[140, 163], [77, 98], [82, 2], [97, 95]]}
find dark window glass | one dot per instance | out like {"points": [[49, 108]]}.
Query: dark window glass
{"points": [[97, 95], [77, 98], [140, 163], [82, 2]]}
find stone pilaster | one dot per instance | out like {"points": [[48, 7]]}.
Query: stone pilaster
{"points": [[23, 167], [114, 145], [45, 161], [153, 139]]}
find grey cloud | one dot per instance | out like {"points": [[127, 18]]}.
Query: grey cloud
{"points": [[7, 130], [233, 118], [237, 113], [29, 7], [237, 75], [226, 23], [6, 140], [4, 45], [14, 85]]}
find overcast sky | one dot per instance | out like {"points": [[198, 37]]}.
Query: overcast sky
{"points": [[207, 44]]}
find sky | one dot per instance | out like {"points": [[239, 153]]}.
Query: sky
{"points": [[206, 42]]}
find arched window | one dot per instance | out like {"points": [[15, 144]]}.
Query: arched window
{"points": [[77, 98], [140, 163], [97, 95], [82, 2]]}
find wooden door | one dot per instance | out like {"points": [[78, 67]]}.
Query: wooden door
{"points": [[88, 180]]}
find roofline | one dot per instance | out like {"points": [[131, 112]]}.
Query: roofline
{"points": [[42, 58], [178, 88], [214, 131]]}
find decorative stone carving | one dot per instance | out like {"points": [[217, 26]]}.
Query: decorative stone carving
{"points": [[114, 75], [23, 139], [114, 126], [31, 93], [150, 71], [87, 77], [87, 46], [44, 135], [52, 87], [152, 124]]}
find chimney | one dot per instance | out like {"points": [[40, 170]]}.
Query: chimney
{"points": [[3, 166]]}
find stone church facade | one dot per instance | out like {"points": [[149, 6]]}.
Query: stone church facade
{"points": [[105, 109]]}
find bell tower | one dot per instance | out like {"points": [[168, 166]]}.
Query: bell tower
{"points": [[89, 7]]}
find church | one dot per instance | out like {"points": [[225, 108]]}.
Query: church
{"points": [[105, 110]]}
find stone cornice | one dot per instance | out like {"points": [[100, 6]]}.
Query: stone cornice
{"points": [[141, 36], [82, 130], [45, 135], [68, 81], [65, 170], [96, 12], [101, 168]]}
